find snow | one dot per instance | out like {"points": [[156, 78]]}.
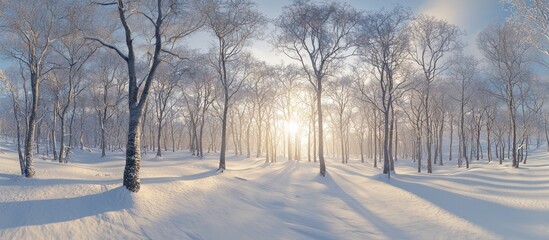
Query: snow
{"points": [[183, 197]]}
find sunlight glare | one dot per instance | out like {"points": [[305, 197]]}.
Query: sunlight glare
{"points": [[291, 127]]}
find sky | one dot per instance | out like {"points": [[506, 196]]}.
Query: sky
{"points": [[472, 16]]}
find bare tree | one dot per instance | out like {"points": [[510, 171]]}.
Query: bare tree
{"points": [[72, 52], [384, 45], [432, 39], [233, 24], [287, 76], [319, 37], [163, 89], [532, 16], [14, 93], [341, 94], [506, 49], [464, 72], [415, 112], [261, 92], [31, 29], [199, 93], [160, 16], [107, 91]]}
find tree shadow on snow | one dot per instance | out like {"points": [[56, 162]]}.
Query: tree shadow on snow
{"points": [[46, 211], [18, 180], [492, 216], [197, 176], [336, 191]]}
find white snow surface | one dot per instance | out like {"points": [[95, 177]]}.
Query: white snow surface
{"points": [[183, 197]]}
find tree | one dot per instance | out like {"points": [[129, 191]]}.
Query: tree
{"points": [[287, 76], [340, 92], [30, 30], [384, 45], [199, 93], [532, 16], [432, 39], [464, 72], [14, 93], [319, 37], [507, 51], [107, 91], [163, 89], [161, 16], [233, 23], [261, 91], [72, 52]]}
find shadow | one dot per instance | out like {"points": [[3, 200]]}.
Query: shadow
{"points": [[206, 174], [39, 212], [504, 184], [491, 216], [18, 180], [335, 190]]}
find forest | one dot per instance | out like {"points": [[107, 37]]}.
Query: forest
{"points": [[380, 85], [341, 86]]}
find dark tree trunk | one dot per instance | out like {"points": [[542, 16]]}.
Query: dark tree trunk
{"points": [[29, 164], [133, 155]]}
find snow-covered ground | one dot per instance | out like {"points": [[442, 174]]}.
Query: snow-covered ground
{"points": [[184, 198]]}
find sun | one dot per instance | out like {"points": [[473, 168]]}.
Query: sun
{"points": [[291, 127]]}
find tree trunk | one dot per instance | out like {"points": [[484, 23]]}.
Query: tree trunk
{"points": [[18, 129], [386, 141], [133, 155], [478, 141], [513, 133], [259, 133], [103, 137], [29, 165], [451, 136], [158, 136], [440, 136], [224, 133], [375, 138], [248, 142], [320, 129], [62, 140], [488, 140], [526, 149], [37, 140], [53, 134]]}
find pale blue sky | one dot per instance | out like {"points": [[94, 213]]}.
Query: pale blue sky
{"points": [[472, 16]]}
